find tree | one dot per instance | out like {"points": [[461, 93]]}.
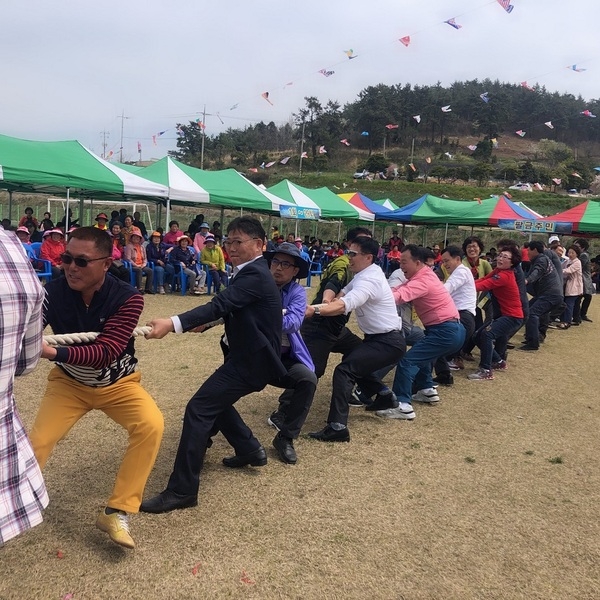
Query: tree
{"points": [[482, 172]]}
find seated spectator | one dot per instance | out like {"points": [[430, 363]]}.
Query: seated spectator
{"points": [[393, 256], [114, 218], [28, 218], [216, 229], [183, 255], [200, 237], [52, 249], [127, 229], [212, 257], [137, 222], [170, 238], [46, 222], [35, 235], [135, 253], [101, 221], [316, 252], [23, 235], [158, 254]]}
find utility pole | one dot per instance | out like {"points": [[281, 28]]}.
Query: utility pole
{"points": [[203, 137], [104, 135], [302, 146], [122, 117]]}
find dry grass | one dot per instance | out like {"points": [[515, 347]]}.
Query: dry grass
{"points": [[463, 503]]}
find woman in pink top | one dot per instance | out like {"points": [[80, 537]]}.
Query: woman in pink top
{"points": [[135, 253], [573, 276]]}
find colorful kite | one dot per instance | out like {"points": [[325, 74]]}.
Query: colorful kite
{"points": [[304, 155], [265, 95], [350, 54], [557, 180], [521, 133], [154, 140], [412, 166], [108, 156], [494, 142], [139, 148], [200, 124], [253, 170], [405, 40], [446, 108], [391, 126], [326, 72], [284, 161], [345, 142], [180, 132], [270, 164], [453, 23], [484, 97], [262, 165], [525, 85], [576, 69], [450, 156], [506, 5], [537, 186], [417, 118], [322, 150], [364, 133], [428, 160], [587, 113], [549, 124], [472, 148], [575, 174]]}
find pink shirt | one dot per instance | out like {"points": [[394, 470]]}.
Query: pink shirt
{"points": [[431, 300]]}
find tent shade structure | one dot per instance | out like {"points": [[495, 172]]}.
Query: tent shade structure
{"points": [[585, 217], [491, 212], [387, 203], [53, 167], [330, 204], [359, 200]]}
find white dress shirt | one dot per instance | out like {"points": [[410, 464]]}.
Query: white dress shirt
{"points": [[461, 286]]}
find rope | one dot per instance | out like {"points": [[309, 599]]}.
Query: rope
{"points": [[69, 339]]}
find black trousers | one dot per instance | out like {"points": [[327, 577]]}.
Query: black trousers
{"points": [[375, 352], [210, 410], [300, 384]]}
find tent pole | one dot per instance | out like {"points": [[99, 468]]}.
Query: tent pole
{"points": [[446, 236], [67, 214], [10, 199], [222, 219], [340, 231], [168, 214], [81, 209]]}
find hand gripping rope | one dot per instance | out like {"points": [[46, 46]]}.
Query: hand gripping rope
{"points": [[68, 339]]}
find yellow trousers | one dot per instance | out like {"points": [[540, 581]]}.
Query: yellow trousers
{"points": [[125, 402]]}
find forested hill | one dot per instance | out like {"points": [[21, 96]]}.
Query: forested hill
{"points": [[391, 117]]}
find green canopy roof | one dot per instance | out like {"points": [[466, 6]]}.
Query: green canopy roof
{"points": [[52, 167]]}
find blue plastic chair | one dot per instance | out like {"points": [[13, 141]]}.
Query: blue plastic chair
{"points": [[315, 268], [42, 267]]}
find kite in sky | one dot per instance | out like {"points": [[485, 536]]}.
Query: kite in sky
{"points": [[428, 160], [304, 155], [265, 95], [575, 174], [494, 142], [587, 113], [350, 54], [549, 124], [154, 140], [557, 181], [270, 164], [139, 147], [506, 5], [521, 133], [527, 86], [200, 124], [453, 23], [446, 108], [412, 166], [405, 40], [345, 142], [576, 69], [364, 133], [326, 72], [448, 155], [322, 150], [180, 132], [235, 106], [391, 126], [284, 161], [484, 97], [417, 118], [472, 148]]}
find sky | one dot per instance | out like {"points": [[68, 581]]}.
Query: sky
{"points": [[72, 69]]}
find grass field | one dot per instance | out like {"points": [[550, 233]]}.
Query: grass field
{"points": [[491, 494]]}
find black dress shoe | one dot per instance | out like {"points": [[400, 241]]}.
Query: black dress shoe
{"points": [[167, 501], [383, 402], [329, 434], [258, 458], [285, 449], [444, 379], [586, 318]]}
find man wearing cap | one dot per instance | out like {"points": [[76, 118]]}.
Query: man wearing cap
{"points": [[135, 253], [369, 295], [212, 257], [102, 222], [200, 237], [251, 309], [97, 375], [286, 265]]}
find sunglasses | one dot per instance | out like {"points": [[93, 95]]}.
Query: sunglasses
{"points": [[67, 259]]}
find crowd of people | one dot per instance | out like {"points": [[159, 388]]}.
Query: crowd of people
{"points": [[421, 312]]}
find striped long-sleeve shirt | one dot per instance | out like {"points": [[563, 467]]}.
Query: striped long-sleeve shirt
{"points": [[114, 312]]}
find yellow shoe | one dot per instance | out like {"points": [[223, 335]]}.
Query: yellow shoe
{"points": [[117, 527]]}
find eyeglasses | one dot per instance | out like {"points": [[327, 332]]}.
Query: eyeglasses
{"points": [[284, 264], [507, 256], [238, 243], [352, 254], [67, 259]]}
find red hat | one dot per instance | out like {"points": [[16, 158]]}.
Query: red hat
{"points": [[136, 231], [102, 216]]}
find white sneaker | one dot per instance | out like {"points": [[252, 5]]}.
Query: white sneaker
{"points": [[404, 411], [429, 396], [161, 289]]}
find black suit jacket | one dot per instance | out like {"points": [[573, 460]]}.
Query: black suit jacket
{"points": [[251, 308]]}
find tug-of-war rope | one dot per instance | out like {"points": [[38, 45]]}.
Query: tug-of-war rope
{"points": [[68, 339]]}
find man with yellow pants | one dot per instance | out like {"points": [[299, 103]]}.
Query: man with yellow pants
{"points": [[98, 375]]}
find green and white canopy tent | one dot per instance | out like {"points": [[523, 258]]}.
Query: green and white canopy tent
{"points": [[67, 167]]}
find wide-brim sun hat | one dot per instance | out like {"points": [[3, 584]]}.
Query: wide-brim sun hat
{"points": [[136, 231], [204, 225], [23, 230], [51, 231], [290, 250], [210, 238], [184, 237]]}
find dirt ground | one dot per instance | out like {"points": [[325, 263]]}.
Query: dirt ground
{"points": [[494, 493]]}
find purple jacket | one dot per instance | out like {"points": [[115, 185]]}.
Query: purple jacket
{"points": [[293, 300]]}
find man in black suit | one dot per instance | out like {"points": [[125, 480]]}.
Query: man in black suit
{"points": [[251, 309]]}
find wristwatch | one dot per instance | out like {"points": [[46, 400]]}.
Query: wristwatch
{"points": [[317, 310]]}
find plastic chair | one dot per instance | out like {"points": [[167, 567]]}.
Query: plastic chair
{"points": [[42, 267], [315, 268], [129, 267]]}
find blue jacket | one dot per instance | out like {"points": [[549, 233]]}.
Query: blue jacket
{"points": [[293, 300]]}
